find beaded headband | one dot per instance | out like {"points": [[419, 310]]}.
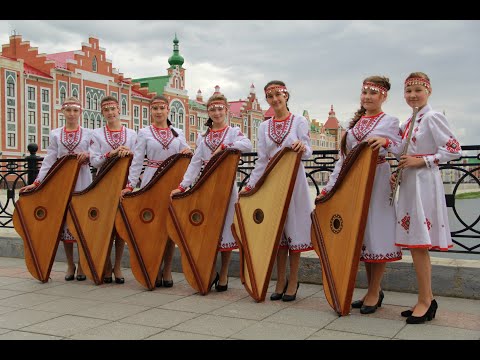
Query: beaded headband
{"points": [[417, 81], [158, 101], [375, 87], [276, 88], [71, 104], [219, 104], [108, 104]]}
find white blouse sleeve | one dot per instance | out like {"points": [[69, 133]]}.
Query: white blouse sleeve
{"points": [[49, 159], [303, 134], [183, 140], [394, 137], [448, 147], [262, 161], [240, 142], [96, 157], [195, 165], [137, 162]]}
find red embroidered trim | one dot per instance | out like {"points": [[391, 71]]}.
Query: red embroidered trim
{"points": [[163, 136]]}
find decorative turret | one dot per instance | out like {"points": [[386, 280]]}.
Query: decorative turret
{"points": [[331, 113], [252, 89], [217, 90], [199, 96], [176, 58]]}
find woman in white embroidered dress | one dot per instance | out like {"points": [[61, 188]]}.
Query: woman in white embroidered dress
{"points": [[422, 218], [217, 137], [114, 139], [65, 140], [158, 141], [286, 130], [381, 131]]}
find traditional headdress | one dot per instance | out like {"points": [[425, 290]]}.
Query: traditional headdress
{"points": [[276, 88], [108, 104], [216, 104], [375, 87], [417, 81]]}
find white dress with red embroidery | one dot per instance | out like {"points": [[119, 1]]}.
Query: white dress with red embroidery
{"points": [[379, 237], [231, 137], [422, 217], [157, 144], [273, 136], [62, 143], [105, 140]]}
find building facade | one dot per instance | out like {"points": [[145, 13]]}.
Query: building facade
{"points": [[33, 86]]}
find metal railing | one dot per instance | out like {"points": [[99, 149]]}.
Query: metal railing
{"points": [[460, 176]]}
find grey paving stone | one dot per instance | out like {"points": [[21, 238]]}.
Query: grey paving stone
{"points": [[23, 335], [111, 311], [27, 300], [117, 331], [4, 293], [303, 317], [248, 310], [219, 326], [364, 324], [342, 335], [23, 317], [150, 298], [159, 318], [65, 325], [433, 332], [265, 330], [67, 305], [181, 335], [192, 303]]}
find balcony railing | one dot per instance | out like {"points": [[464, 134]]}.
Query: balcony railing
{"points": [[460, 177]]}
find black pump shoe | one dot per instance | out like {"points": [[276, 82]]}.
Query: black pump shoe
{"points": [[357, 304], [167, 283], [278, 296], [158, 283], [221, 288], [81, 277], [366, 309], [408, 313], [215, 281], [429, 314], [287, 297], [72, 276]]}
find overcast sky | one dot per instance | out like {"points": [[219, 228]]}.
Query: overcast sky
{"points": [[323, 62]]}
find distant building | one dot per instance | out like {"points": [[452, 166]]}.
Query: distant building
{"points": [[33, 86]]}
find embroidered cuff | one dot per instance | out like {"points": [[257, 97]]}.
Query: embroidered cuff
{"points": [[106, 155], [387, 143], [36, 182], [181, 188], [323, 192], [430, 161], [223, 146], [248, 188], [129, 186]]}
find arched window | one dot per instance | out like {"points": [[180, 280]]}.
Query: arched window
{"points": [[94, 64], [85, 121], [95, 102], [10, 87], [75, 93], [63, 95], [124, 106], [89, 98]]}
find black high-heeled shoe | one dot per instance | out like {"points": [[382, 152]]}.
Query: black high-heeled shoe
{"points": [[357, 304], [215, 281], [278, 296], [158, 283], [367, 309], [118, 280], [287, 297], [408, 313], [429, 314], [81, 277], [167, 283], [221, 288], [72, 276]]}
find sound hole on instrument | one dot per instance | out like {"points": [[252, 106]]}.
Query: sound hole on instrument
{"points": [[196, 217], [93, 213], [336, 223], [40, 213], [258, 216], [146, 215]]}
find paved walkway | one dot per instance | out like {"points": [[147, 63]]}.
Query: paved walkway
{"points": [[82, 310]]}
